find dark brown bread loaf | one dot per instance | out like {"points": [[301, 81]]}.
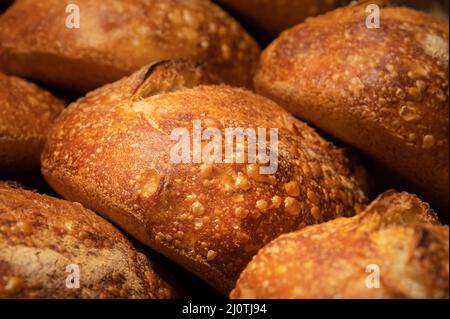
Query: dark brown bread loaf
{"points": [[110, 151], [384, 91], [116, 38], [397, 233], [435, 7], [270, 17], [40, 236], [26, 114]]}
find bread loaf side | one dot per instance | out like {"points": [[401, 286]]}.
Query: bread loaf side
{"points": [[51, 248]]}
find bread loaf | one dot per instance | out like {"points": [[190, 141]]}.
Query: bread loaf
{"points": [[383, 90], [111, 151], [51, 248], [26, 113], [41, 40], [435, 7], [394, 249], [271, 17]]}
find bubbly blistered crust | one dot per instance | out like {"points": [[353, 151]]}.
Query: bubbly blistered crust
{"points": [[397, 232], [116, 38], [110, 151], [384, 91], [40, 236], [273, 16], [26, 113]]}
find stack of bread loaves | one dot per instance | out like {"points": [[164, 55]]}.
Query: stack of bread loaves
{"points": [[145, 148]]}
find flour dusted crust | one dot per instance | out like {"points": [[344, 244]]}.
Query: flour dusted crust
{"points": [[384, 91], [110, 151], [398, 233], [40, 236], [116, 38], [26, 114]]}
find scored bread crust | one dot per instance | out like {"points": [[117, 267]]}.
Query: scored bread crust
{"points": [[398, 233], [273, 16], [40, 236], [26, 114], [384, 91], [116, 38], [110, 151]]}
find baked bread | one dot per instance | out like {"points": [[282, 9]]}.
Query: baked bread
{"points": [[116, 38], [45, 243], [270, 17], [26, 113], [435, 7], [384, 91], [396, 244], [111, 151]]}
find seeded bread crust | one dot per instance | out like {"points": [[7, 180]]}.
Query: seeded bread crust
{"points": [[384, 91], [398, 232], [116, 38], [40, 236], [26, 113], [110, 151]]}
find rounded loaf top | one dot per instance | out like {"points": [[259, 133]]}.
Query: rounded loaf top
{"points": [[383, 90], [394, 249], [112, 151], [83, 45]]}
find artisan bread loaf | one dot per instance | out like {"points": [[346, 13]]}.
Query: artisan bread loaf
{"points": [[26, 113], [394, 249], [51, 248], [435, 7], [111, 151], [270, 17], [40, 40], [383, 90]]}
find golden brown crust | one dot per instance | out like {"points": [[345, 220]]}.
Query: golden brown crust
{"points": [[384, 91], [273, 16], [110, 151], [26, 113], [116, 38], [40, 236], [397, 232]]}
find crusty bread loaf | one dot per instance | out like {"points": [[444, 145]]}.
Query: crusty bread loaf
{"points": [[397, 240], [43, 240], [26, 113], [435, 7], [384, 91], [110, 151], [270, 17], [116, 38]]}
